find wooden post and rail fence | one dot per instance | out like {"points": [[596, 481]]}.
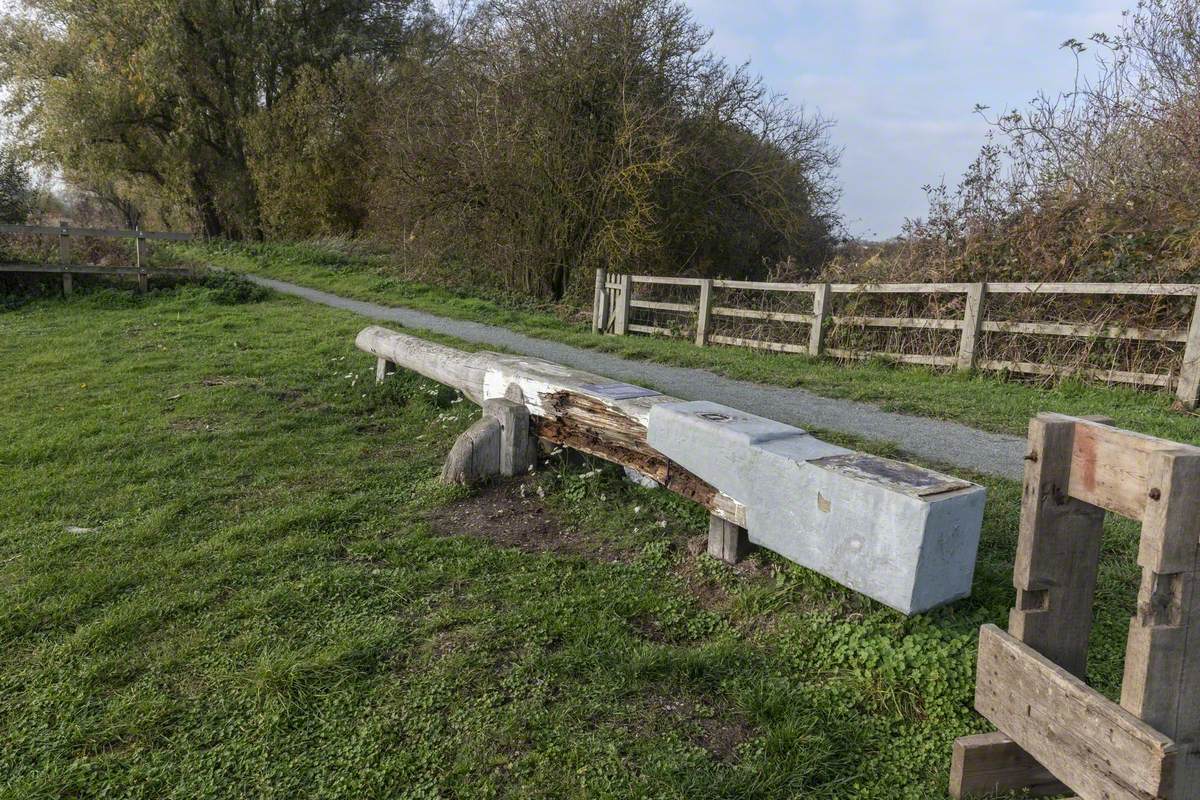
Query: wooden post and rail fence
{"points": [[64, 233], [615, 301]]}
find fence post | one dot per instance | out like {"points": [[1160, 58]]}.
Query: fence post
{"points": [[1189, 373], [972, 320], [64, 254], [599, 301], [143, 278], [703, 312], [64, 243], [624, 298], [820, 313]]}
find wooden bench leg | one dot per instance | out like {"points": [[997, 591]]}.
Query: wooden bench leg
{"points": [[383, 368], [727, 541], [991, 763]]}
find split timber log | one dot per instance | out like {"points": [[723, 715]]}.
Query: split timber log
{"points": [[899, 533]]}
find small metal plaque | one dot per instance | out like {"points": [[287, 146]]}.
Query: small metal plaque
{"points": [[619, 391], [898, 475]]}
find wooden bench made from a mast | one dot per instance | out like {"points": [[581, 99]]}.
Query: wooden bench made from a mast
{"points": [[899, 533]]}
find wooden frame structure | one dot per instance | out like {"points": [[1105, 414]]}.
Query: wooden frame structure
{"points": [[68, 270], [611, 314], [1055, 731]]}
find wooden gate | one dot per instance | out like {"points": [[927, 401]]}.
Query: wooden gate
{"points": [[610, 307]]}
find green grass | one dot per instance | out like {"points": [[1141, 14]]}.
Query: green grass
{"points": [[984, 401], [218, 578]]}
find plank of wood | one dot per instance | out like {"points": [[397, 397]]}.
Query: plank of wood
{"points": [[899, 322], [92, 269], [750, 313], [383, 369], [663, 279], [822, 310], [1090, 743], [1058, 550], [900, 358], [95, 233], [1109, 375], [1086, 330], [703, 313], [766, 286], [1149, 289], [686, 308], [1111, 466], [972, 319], [600, 301], [653, 330], [1188, 390], [1162, 656], [992, 763], [624, 296], [727, 541], [898, 288], [758, 344]]}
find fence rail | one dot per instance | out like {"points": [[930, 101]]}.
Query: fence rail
{"points": [[65, 233], [97, 233], [614, 302]]}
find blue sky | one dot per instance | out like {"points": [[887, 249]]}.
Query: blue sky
{"points": [[901, 79]]}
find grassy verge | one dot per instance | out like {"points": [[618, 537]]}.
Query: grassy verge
{"points": [[982, 401], [227, 569]]}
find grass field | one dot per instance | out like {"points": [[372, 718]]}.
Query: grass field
{"points": [[228, 569], [985, 401]]}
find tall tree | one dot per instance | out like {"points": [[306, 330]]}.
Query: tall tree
{"points": [[16, 188], [157, 94]]}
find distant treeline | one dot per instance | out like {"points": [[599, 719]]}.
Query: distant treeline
{"points": [[513, 143], [516, 145]]}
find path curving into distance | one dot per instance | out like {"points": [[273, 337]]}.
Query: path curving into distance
{"points": [[920, 437]]}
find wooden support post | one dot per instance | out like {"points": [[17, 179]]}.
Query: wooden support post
{"points": [[816, 334], [475, 456], [67, 284], [1162, 658], [972, 320], [140, 251], [1188, 390], [1058, 551], [600, 301], [704, 312], [501, 443], [727, 541], [64, 243], [518, 447], [143, 282], [383, 368], [624, 298], [991, 763]]}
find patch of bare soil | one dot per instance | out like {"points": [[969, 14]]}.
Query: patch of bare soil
{"points": [[718, 730], [191, 425], [511, 514]]}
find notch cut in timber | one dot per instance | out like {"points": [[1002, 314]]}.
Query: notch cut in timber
{"points": [[1030, 679], [901, 534]]}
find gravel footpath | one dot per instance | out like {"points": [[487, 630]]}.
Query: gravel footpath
{"points": [[920, 437]]}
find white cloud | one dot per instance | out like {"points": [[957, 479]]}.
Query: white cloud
{"points": [[902, 78]]}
